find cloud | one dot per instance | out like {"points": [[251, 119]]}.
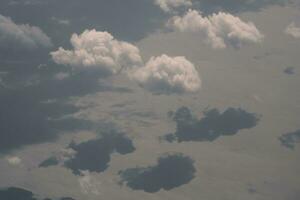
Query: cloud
{"points": [[293, 30], [93, 155], [234, 6], [164, 74], [289, 70], [170, 172], [211, 126], [170, 5], [88, 184], [14, 193], [289, 140], [218, 30], [98, 50], [21, 35], [14, 161]]}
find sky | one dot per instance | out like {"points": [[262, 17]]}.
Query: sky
{"points": [[149, 99]]}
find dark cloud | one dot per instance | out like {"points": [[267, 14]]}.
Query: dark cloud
{"points": [[170, 172], [289, 140], [129, 20], [94, 155], [236, 6], [49, 162], [212, 125], [14, 193], [289, 70]]}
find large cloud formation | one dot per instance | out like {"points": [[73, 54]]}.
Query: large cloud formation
{"points": [[98, 50], [164, 74], [218, 30], [170, 5], [293, 30], [213, 124], [22, 36], [170, 172]]}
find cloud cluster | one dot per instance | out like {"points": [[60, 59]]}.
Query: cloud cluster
{"points": [[218, 30], [164, 74], [170, 5], [213, 124], [22, 36], [98, 50], [171, 171], [293, 30]]}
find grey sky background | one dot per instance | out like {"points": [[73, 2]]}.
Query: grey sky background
{"points": [[69, 110]]}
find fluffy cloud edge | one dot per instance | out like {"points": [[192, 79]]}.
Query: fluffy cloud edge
{"points": [[218, 30]]}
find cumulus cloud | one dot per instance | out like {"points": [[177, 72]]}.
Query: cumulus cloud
{"points": [[218, 30], [170, 5], [21, 35], [164, 74], [293, 30], [14, 161], [98, 50]]}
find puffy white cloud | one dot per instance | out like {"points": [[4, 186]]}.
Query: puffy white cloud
{"points": [[164, 74], [293, 30], [21, 35], [170, 5], [15, 161], [98, 50], [219, 30]]}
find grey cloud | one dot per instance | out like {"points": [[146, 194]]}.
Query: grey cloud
{"points": [[22, 36], [289, 140], [15, 193], [289, 70], [171, 171], [212, 125], [94, 155], [236, 6]]}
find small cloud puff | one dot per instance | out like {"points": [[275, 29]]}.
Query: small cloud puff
{"points": [[218, 30], [164, 74], [98, 50], [14, 161], [169, 5], [293, 30], [21, 35]]}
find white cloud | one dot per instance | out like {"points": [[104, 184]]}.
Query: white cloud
{"points": [[88, 184], [61, 76], [166, 74], [65, 22], [170, 5], [14, 161], [21, 35], [293, 30], [218, 30], [98, 50]]}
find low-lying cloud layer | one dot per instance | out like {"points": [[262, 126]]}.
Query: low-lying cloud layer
{"points": [[212, 125], [218, 30], [98, 50], [170, 172], [289, 140], [21, 36], [164, 74]]}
